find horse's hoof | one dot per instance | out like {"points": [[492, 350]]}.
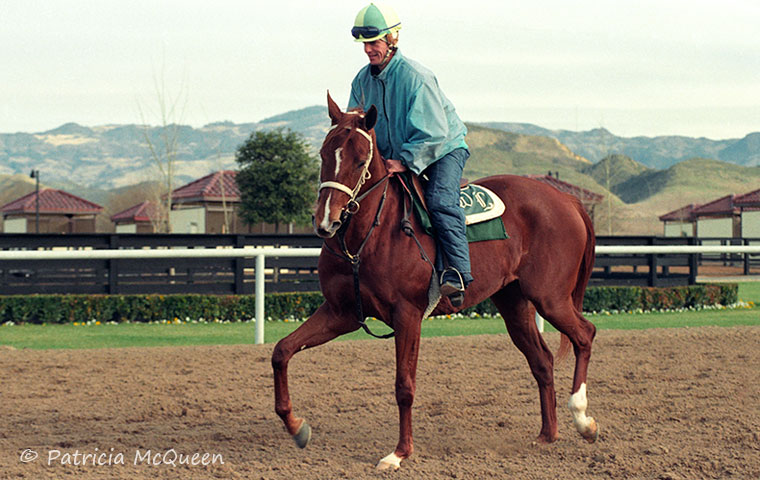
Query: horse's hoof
{"points": [[592, 432], [546, 439], [391, 462], [303, 435]]}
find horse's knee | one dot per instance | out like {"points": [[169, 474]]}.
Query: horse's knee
{"points": [[280, 356], [405, 392]]}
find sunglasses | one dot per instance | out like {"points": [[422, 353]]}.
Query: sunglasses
{"points": [[368, 32]]}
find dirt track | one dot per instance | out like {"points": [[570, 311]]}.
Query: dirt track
{"points": [[671, 404]]}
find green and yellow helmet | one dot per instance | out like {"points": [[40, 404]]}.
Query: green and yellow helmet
{"points": [[375, 21]]}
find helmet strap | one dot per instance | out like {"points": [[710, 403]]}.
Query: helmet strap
{"points": [[392, 47]]}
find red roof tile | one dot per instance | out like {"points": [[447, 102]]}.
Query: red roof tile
{"points": [[51, 201], [751, 199], [142, 212], [215, 186], [683, 214], [721, 206], [581, 193]]}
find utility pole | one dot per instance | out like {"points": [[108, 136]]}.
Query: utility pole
{"points": [[36, 175]]}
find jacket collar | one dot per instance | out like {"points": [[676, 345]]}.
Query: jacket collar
{"points": [[391, 65]]}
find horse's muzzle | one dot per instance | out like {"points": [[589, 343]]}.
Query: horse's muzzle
{"points": [[325, 231]]}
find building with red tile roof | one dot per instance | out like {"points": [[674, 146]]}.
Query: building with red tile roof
{"points": [[730, 216], [59, 212], [680, 222], [748, 200], [140, 218], [749, 204], [215, 187], [720, 218], [209, 204]]}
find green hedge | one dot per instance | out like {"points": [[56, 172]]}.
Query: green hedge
{"points": [[599, 299], [296, 306]]}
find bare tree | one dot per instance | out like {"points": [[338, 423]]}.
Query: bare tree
{"points": [[164, 146]]}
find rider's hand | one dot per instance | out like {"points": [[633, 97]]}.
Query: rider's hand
{"points": [[394, 166]]}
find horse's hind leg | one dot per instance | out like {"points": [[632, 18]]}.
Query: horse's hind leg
{"points": [[321, 327], [568, 320], [519, 316]]}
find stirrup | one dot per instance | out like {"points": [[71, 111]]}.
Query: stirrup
{"points": [[449, 289]]}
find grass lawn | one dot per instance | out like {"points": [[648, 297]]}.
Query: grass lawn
{"points": [[148, 335]]}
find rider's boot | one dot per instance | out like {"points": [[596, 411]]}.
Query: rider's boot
{"points": [[453, 286]]}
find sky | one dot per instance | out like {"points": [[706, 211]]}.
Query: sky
{"points": [[636, 68]]}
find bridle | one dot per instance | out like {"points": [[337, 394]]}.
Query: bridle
{"points": [[349, 210], [352, 207]]}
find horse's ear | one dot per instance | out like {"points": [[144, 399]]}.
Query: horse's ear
{"points": [[333, 110], [370, 118]]}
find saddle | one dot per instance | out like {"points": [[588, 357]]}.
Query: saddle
{"points": [[482, 208]]}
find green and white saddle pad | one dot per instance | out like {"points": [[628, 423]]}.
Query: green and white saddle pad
{"points": [[483, 210]]}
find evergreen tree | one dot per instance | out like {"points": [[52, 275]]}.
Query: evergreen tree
{"points": [[277, 178]]}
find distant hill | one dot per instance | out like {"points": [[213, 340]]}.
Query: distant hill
{"points": [[621, 176], [654, 152], [641, 178], [14, 186], [495, 152], [111, 156]]}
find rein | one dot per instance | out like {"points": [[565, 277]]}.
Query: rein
{"points": [[355, 258], [352, 208]]}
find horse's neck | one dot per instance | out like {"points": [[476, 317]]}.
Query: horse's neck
{"points": [[382, 204]]}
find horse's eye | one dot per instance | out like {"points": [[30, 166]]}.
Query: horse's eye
{"points": [[361, 165]]}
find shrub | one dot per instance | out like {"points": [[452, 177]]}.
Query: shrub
{"points": [[297, 306]]}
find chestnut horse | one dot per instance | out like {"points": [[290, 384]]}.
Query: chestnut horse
{"points": [[544, 265]]}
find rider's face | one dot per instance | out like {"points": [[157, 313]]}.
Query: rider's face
{"points": [[376, 51]]}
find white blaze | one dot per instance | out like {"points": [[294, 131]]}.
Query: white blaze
{"points": [[325, 225], [338, 160]]}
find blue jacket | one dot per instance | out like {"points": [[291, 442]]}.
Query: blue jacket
{"points": [[416, 123]]}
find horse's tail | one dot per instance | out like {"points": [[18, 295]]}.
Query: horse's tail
{"points": [[584, 273]]}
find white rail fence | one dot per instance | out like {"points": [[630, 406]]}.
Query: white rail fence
{"points": [[260, 254]]}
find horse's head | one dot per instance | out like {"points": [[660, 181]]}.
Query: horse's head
{"points": [[347, 154]]}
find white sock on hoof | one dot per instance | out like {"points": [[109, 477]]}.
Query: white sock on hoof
{"points": [[578, 404], [392, 460]]}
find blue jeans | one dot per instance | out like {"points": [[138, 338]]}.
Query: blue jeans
{"points": [[447, 217]]}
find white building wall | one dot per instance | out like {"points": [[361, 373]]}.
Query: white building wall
{"points": [[715, 227], [126, 228], [15, 225], [751, 224], [188, 220], [678, 229]]}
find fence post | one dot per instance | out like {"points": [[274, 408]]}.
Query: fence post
{"points": [[239, 267], [652, 266], [746, 258], [113, 266], [260, 291], [693, 263]]}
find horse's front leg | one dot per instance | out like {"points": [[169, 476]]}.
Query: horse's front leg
{"points": [[321, 327], [407, 351]]}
